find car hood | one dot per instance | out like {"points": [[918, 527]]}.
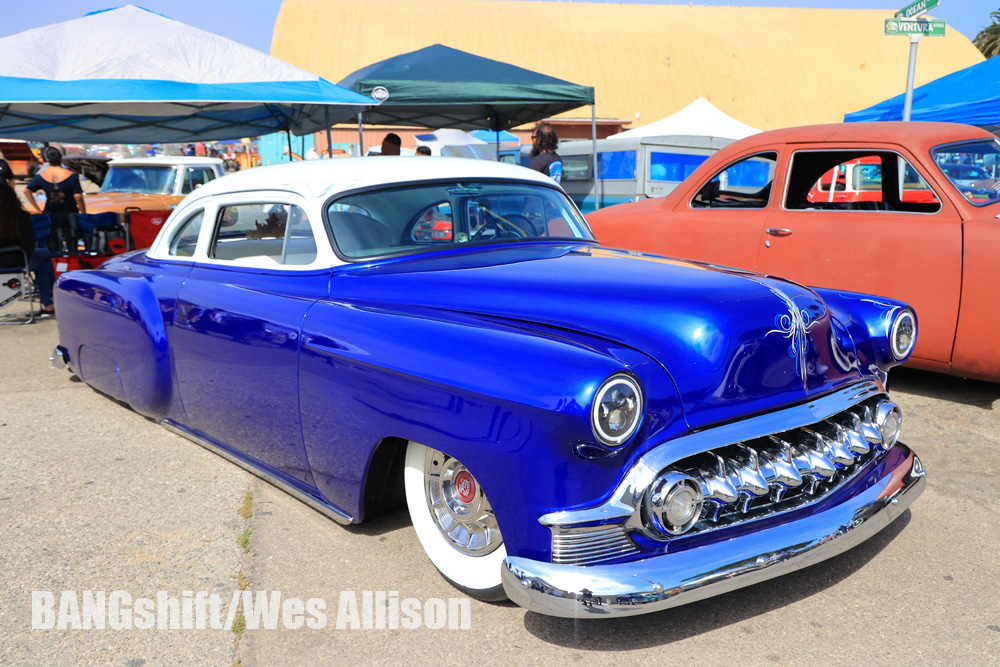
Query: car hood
{"points": [[119, 201], [733, 342]]}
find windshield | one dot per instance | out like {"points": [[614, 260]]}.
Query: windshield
{"points": [[972, 168], [429, 216], [148, 180]]}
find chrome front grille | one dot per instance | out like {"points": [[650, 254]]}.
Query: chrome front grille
{"points": [[590, 544], [783, 470]]}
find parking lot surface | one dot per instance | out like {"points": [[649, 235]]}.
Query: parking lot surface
{"points": [[95, 497]]}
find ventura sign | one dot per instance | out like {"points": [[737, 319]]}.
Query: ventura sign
{"points": [[916, 9], [933, 28]]}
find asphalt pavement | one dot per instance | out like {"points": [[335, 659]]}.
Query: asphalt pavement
{"points": [[95, 497]]}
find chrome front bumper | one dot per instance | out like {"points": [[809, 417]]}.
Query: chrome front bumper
{"points": [[673, 579]]}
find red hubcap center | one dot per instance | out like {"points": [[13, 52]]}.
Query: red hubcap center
{"points": [[465, 487]]}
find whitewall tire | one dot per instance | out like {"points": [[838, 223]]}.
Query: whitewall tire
{"points": [[454, 522]]}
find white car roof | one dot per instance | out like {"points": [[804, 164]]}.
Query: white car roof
{"points": [[321, 178], [164, 160]]}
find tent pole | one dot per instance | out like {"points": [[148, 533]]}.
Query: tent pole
{"points": [[288, 138], [326, 119], [361, 137], [593, 139]]}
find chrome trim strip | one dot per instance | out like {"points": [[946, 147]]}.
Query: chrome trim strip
{"points": [[320, 506], [673, 579], [627, 496]]}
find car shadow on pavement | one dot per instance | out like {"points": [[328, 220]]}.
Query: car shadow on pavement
{"points": [[665, 627], [944, 387]]}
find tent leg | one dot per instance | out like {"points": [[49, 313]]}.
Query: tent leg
{"points": [[326, 119], [593, 139], [361, 138], [288, 138]]}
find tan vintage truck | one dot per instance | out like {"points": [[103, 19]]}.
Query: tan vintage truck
{"points": [[151, 184]]}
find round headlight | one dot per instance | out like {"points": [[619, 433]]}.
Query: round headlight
{"points": [[617, 409], [903, 334], [674, 503], [889, 419]]}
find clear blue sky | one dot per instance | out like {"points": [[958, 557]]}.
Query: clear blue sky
{"points": [[252, 21]]}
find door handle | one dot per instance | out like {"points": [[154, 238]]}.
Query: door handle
{"points": [[778, 231]]}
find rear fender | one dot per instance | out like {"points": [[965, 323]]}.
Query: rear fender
{"points": [[117, 316]]}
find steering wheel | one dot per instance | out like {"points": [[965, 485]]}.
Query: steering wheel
{"points": [[502, 226]]}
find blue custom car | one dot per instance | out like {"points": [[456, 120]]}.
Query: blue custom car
{"points": [[584, 430]]}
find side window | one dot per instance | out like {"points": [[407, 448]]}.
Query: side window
{"points": [[745, 183], [616, 165], [268, 234], [576, 168], [857, 181], [186, 238], [673, 166], [195, 177]]}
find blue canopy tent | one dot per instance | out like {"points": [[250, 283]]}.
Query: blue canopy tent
{"points": [[128, 75], [970, 96]]}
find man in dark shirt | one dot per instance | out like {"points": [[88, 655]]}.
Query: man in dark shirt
{"points": [[546, 160]]}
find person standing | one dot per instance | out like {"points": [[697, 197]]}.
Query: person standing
{"points": [[311, 154], [6, 173], [392, 144], [63, 196], [16, 230], [545, 159]]}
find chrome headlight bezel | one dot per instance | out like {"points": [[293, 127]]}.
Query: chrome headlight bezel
{"points": [[905, 319], [618, 380]]}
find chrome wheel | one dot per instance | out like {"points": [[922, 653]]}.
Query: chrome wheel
{"points": [[454, 522], [458, 506]]}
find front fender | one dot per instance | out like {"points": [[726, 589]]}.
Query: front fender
{"points": [[509, 400], [868, 319]]}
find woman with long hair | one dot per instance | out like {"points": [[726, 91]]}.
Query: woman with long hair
{"points": [[16, 229], [63, 196]]}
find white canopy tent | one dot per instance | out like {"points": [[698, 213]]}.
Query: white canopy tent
{"points": [[128, 75], [700, 118]]}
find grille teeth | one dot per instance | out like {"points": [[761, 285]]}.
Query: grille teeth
{"points": [[716, 487], [783, 470]]}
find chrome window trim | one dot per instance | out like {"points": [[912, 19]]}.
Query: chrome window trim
{"points": [[788, 176], [626, 499], [325, 257]]}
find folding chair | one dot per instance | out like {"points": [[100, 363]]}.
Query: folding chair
{"points": [[143, 226], [96, 229], [16, 285]]}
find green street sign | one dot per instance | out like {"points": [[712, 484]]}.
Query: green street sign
{"points": [[916, 9], [934, 28]]}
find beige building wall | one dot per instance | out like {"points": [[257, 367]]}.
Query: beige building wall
{"points": [[768, 67]]}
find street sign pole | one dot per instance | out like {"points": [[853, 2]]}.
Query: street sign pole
{"points": [[909, 21], [911, 72]]}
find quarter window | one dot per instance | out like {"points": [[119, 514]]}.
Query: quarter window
{"points": [[186, 238], [268, 234], [745, 183]]}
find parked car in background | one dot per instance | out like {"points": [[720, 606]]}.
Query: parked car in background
{"points": [[152, 183], [756, 205], [587, 431], [630, 168]]}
